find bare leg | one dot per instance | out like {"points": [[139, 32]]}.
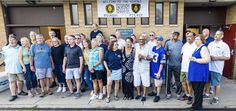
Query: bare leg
{"points": [[13, 88], [78, 84], [95, 86], [20, 86], [109, 83], [42, 84], [100, 83], [117, 83], [69, 84]]}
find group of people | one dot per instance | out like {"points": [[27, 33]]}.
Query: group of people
{"points": [[133, 63]]}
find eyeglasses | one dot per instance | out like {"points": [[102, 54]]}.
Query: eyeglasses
{"points": [[116, 44], [151, 35]]}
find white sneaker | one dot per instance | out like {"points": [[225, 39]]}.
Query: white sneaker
{"points": [[64, 89], [59, 89], [104, 90], [94, 96], [100, 96]]}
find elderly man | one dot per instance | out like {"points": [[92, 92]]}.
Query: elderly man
{"points": [[142, 61], [121, 41], [41, 63], [173, 48], [219, 52], [13, 67]]}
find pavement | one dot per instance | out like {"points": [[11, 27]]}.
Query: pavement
{"points": [[58, 102]]}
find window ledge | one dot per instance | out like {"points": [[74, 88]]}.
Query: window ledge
{"points": [[88, 26], [174, 25], [103, 26], [74, 26], [130, 25], [159, 25], [116, 25], [145, 25]]}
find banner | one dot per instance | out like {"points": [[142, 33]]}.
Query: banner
{"points": [[122, 8]]}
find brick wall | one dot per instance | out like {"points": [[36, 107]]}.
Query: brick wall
{"points": [[3, 40], [231, 15], [164, 29]]}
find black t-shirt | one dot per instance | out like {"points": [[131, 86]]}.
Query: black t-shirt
{"points": [[94, 34], [73, 55], [57, 54]]}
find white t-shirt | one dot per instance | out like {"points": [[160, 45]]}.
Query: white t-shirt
{"points": [[187, 51], [218, 49], [121, 43], [143, 64], [151, 44]]}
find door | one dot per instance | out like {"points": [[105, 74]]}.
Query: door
{"points": [[229, 38]]}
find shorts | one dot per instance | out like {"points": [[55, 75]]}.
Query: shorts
{"points": [[98, 74], [141, 76], [158, 83], [72, 72], [43, 73], [14, 77], [115, 75], [215, 78], [183, 76]]}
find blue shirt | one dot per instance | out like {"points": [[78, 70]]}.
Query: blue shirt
{"points": [[159, 57], [11, 59], [104, 47], [113, 59], [174, 49], [94, 34], [209, 40], [198, 72], [41, 54]]}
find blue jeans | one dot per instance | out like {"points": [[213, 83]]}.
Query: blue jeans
{"points": [[30, 78], [59, 74], [87, 78]]}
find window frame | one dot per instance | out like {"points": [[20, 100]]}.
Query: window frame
{"points": [[85, 14], [128, 21], [162, 20], [176, 19], [99, 21], [113, 21]]}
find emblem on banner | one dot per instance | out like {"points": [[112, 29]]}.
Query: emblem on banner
{"points": [[136, 8], [110, 8]]}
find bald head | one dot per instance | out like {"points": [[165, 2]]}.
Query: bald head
{"points": [[205, 32]]}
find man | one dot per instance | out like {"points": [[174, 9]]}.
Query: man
{"points": [[13, 67], [208, 39], [78, 41], [151, 44], [120, 41], [142, 66], [187, 51], [173, 48], [73, 65], [41, 63], [50, 43], [94, 32], [157, 66], [219, 52]]}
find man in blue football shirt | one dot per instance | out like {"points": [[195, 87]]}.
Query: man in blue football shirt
{"points": [[157, 65]]}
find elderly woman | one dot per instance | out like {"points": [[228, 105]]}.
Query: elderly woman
{"points": [[199, 71]]}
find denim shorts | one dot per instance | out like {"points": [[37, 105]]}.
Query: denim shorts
{"points": [[215, 78], [43, 73]]}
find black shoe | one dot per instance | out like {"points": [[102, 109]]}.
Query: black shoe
{"points": [[83, 90], [75, 89], [54, 84], [190, 100], [22, 93], [143, 99], [152, 94], [156, 99], [13, 98], [138, 97], [183, 98]]}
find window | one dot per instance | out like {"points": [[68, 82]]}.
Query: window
{"points": [[116, 21], [130, 21], [102, 21], [145, 21], [159, 13], [74, 14], [88, 14], [173, 13]]}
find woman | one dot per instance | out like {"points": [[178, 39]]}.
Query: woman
{"points": [[101, 44], [96, 68], [128, 55], [113, 65], [30, 77], [57, 56], [198, 71], [87, 76]]}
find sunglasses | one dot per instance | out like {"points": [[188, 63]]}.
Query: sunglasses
{"points": [[151, 35]]}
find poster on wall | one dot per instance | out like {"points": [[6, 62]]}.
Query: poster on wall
{"points": [[122, 8]]}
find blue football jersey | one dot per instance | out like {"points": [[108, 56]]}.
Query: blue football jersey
{"points": [[159, 57]]}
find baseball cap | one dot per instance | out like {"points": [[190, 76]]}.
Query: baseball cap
{"points": [[160, 38]]}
